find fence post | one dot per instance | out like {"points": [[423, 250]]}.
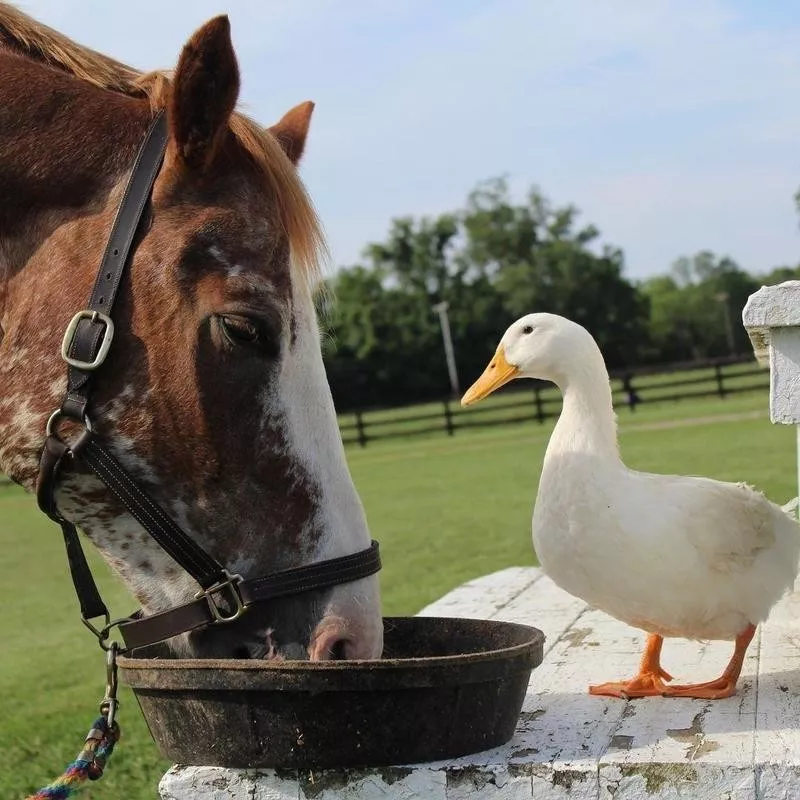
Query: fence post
{"points": [[361, 428], [631, 397], [718, 376], [539, 408], [448, 419]]}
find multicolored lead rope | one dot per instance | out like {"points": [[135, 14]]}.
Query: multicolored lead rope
{"points": [[88, 765]]}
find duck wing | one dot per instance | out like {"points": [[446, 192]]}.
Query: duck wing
{"points": [[728, 524]]}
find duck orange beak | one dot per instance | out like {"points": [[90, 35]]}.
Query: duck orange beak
{"points": [[497, 374]]}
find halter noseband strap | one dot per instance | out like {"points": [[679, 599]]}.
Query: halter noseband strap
{"points": [[223, 597]]}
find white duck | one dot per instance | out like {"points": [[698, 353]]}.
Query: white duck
{"points": [[676, 556]]}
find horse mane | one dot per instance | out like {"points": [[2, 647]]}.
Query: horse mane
{"points": [[30, 38]]}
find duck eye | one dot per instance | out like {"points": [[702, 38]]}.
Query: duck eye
{"points": [[528, 329]]}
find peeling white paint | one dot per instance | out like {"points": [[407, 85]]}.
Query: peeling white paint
{"points": [[570, 745]]}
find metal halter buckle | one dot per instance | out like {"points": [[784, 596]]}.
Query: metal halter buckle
{"points": [[230, 590], [80, 440], [105, 342]]}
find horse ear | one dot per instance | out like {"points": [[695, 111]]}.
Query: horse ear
{"points": [[292, 130], [204, 93]]}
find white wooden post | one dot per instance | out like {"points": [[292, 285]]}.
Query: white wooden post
{"points": [[772, 320]]}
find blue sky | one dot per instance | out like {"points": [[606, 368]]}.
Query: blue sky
{"points": [[674, 125]]}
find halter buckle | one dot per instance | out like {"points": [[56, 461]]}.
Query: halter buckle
{"points": [[229, 588], [105, 342], [52, 430]]}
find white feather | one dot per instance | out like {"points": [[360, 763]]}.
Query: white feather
{"points": [[674, 555]]}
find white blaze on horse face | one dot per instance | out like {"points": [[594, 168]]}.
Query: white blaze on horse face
{"points": [[314, 438]]}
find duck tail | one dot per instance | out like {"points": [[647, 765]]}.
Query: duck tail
{"points": [[791, 507]]}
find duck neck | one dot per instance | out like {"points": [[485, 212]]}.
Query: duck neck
{"points": [[587, 422]]}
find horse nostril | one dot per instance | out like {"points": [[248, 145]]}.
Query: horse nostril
{"points": [[335, 640], [338, 651]]}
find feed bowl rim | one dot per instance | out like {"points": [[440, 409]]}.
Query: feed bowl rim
{"points": [[536, 640]]}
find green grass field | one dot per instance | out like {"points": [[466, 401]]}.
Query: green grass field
{"points": [[444, 509]]}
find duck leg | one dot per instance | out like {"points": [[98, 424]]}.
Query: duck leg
{"points": [[650, 680], [725, 685]]}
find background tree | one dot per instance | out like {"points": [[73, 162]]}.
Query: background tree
{"points": [[539, 259], [384, 326], [696, 310], [497, 259]]}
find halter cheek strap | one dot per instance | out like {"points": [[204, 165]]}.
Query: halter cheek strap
{"points": [[222, 597]]}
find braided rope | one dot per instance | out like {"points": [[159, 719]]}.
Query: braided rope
{"points": [[88, 765]]}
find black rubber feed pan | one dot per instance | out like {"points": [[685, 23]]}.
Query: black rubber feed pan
{"points": [[444, 688]]}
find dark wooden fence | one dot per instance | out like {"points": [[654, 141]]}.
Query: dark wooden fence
{"points": [[533, 400]]}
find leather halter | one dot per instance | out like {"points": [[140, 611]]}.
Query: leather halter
{"points": [[223, 597]]}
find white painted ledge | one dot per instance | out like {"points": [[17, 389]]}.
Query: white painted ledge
{"points": [[569, 744]]}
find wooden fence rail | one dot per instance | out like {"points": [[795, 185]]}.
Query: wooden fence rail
{"points": [[721, 378]]}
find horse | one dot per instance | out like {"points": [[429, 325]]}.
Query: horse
{"points": [[214, 397]]}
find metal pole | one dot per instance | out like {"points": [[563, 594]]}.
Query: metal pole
{"points": [[724, 297], [444, 321]]}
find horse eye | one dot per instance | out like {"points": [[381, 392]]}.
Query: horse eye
{"points": [[239, 330], [251, 332]]}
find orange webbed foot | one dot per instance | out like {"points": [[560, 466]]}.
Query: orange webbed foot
{"points": [[712, 690], [650, 680], [645, 684], [648, 683]]}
